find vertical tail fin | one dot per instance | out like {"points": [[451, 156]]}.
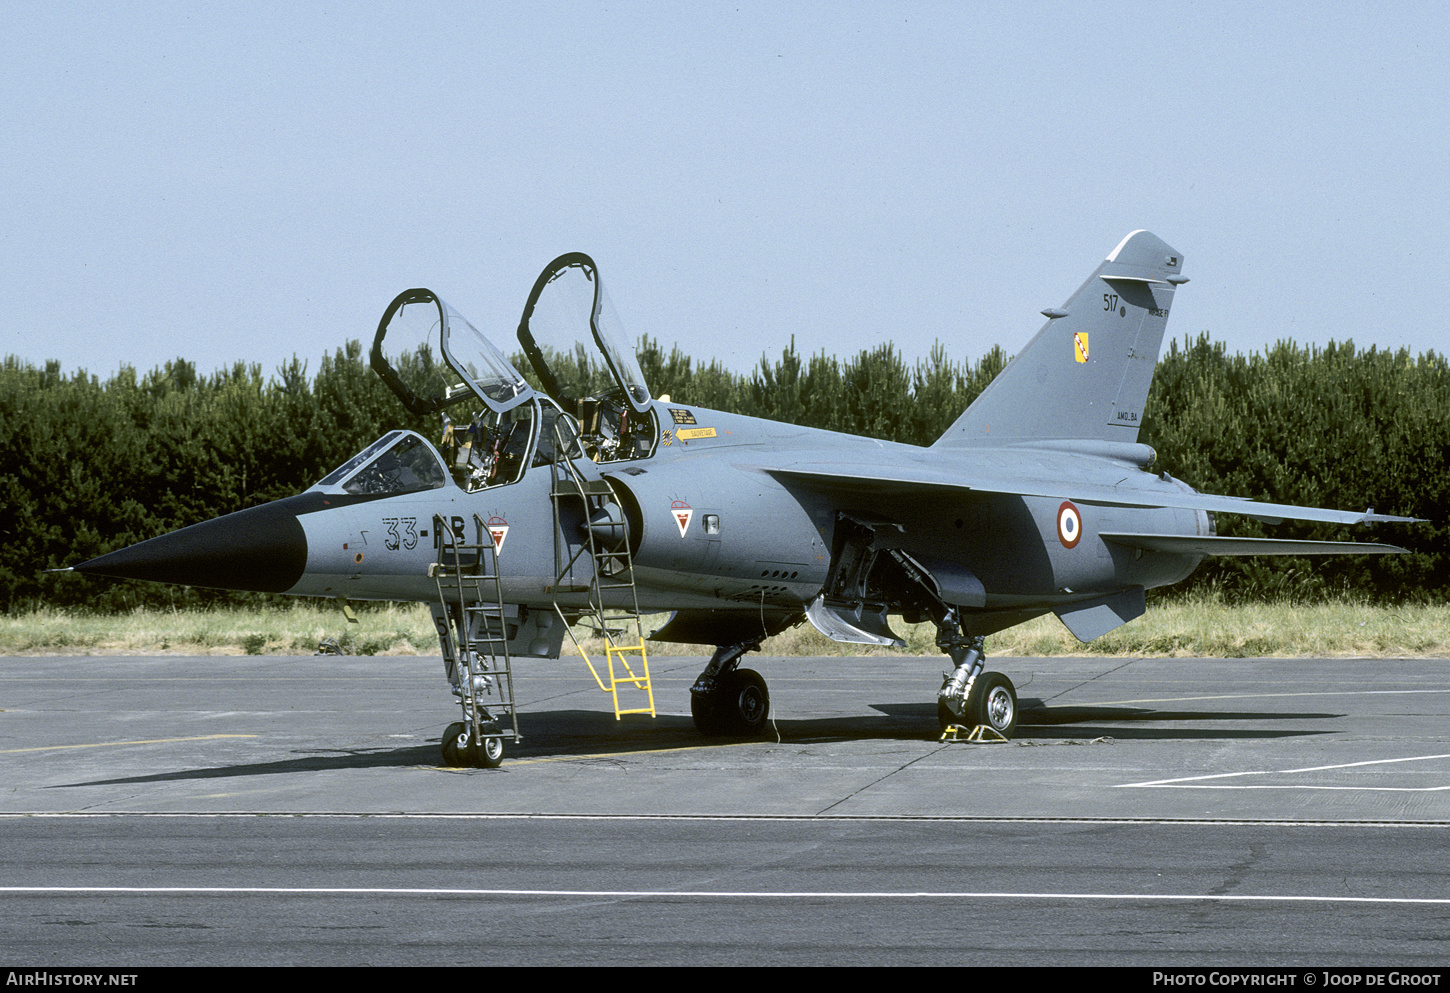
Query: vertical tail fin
{"points": [[1086, 374]]}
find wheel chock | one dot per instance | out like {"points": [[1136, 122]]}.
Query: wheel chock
{"points": [[982, 734]]}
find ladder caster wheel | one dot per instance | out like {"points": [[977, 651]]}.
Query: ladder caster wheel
{"points": [[489, 753], [461, 753]]}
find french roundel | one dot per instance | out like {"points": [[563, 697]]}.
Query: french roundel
{"points": [[1069, 525]]}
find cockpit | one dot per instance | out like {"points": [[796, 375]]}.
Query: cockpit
{"points": [[495, 451], [495, 426]]}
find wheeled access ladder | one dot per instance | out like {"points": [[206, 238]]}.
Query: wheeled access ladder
{"points": [[473, 631], [612, 571]]}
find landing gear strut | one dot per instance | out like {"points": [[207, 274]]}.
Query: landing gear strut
{"points": [[992, 703], [730, 702], [968, 695]]}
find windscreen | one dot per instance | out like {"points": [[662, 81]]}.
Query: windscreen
{"points": [[406, 466], [346, 469]]}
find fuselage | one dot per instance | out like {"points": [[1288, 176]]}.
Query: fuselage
{"points": [[717, 521]]}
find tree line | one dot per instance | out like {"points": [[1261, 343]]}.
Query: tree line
{"points": [[87, 466]]}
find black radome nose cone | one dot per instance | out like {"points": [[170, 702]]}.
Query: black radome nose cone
{"points": [[261, 549]]}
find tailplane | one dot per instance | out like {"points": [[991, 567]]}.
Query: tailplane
{"points": [[1086, 374]]}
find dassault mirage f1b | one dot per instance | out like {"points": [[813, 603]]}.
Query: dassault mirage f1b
{"points": [[539, 509]]}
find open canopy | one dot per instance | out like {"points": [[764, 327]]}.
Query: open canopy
{"points": [[568, 298], [404, 354]]}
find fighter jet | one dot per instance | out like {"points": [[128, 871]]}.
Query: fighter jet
{"points": [[542, 508]]}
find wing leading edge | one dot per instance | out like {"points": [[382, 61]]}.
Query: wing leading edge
{"points": [[1179, 544], [863, 479]]}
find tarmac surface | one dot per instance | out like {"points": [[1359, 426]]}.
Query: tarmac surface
{"points": [[168, 810]]}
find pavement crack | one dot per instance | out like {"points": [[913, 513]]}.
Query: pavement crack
{"points": [[1086, 681], [880, 779]]}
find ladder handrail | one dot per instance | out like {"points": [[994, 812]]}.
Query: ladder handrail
{"points": [[465, 647], [566, 449]]}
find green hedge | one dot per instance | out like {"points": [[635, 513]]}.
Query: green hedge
{"points": [[1322, 427], [88, 466]]}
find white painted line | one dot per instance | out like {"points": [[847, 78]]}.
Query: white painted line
{"points": [[457, 815], [698, 894], [1293, 786], [1254, 696], [113, 744], [1183, 782]]}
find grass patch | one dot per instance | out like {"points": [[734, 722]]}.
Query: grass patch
{"points": [[1179, 627], [395, 629]]}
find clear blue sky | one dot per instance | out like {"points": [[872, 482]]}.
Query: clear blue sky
{"points": [[246, 181]]}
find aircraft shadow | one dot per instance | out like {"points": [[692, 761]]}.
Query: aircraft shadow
{"points": [[1037, 721], [586, 733], [550, 733], [319, 760]]}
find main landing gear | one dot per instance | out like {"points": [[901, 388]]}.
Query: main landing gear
{"points": [[970, 697], [727, 702]]}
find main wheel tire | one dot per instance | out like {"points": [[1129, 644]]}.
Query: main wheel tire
{"points": [[461, 753], [705, 709], [993, 703], [738, 708], [744, 703]]}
